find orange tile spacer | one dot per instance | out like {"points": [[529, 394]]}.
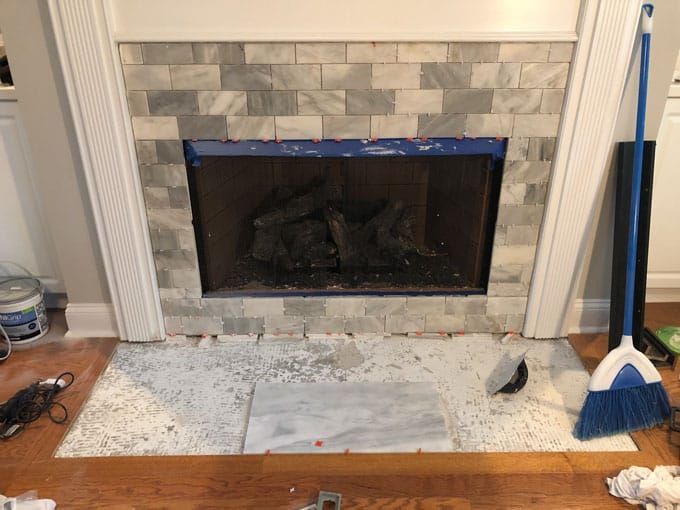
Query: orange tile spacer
{"points": [[315, 140], [268, 452], [328, 333], [205, 335], [423, 139], [442, 333], [338, 140], [235, 140], [172, 334], [409, 138], [194, 139], [276, 333], [420, 451], [319, 443], [499, 138], [460, 138], [473, 138], [265, 140], [223, 140], [290, 333], [278, 140], [374, 140], [419, 333], [346, 451], [460, 332]]}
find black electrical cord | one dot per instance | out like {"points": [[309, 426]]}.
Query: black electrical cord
{"points": [[29, 404]]}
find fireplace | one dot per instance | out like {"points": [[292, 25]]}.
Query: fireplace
{"points": [[344, 216]]}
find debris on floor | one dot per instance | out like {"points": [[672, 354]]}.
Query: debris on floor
{"points": [[656, 490]]}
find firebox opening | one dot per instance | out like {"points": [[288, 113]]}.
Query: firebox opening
{"points": [[346, 217]]}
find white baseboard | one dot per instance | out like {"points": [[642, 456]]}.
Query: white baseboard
{"points": [[663, 288], [86, 320], [589, 316]]}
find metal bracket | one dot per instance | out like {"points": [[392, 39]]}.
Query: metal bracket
{"points": [[328, 497]]}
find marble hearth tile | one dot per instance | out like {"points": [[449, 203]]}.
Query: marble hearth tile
{"points": [[561, 52], [186, 278], [272, 102], [544, 76], [170, 152], [176, 259], [146, 152], [315, 307], [172, 102], [365, 325], [243, 325], [222, 102], [201, 325], [320, 53], [405, 323], [156, 198], [225, 307], [186, 239], [218, 53], [155, 128], [346, 76], [345, 307], [137, 103], [522, 234], [364, 417], [445, 76], [285, 326], [378, 53], [523, 52], [506, 274], [321, 102], [261, 307], [167, 53], [130, 53], [512, 193], [441, 125], [370, 102], [538, 125], [324, 325], [251, 127], [526, 171], [147, 77], [467, 101], [169, 219], [422, 52], [536, 193], [512, 255], [208, 127], [468, 305], [516, 100], [299, 127], [473, 52], [491, 124], [434, 323], [503, 305], [270, 53], [541, 149], [246, 77], [296, 77], [509, 290], [179, 197], [395, 76], [386, 306], [418, 101], [515, 322], [346, 126], [552, 101], [420, 305], [495, 76], [195, 77], [178, 307], [494, 324], [394, 126], [519, 215], [163, 175], [517, 149]]}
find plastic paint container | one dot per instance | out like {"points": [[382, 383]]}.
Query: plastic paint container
{"points": [[22, 310]]}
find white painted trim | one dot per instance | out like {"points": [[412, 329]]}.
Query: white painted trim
{"points": [[589, 316], [598, 76], [94, 87], [87, 320], [663, 288]]}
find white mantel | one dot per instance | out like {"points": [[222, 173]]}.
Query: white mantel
{"points": [[87, 32]]}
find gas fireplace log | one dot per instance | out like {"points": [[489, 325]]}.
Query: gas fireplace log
{"points": [[302, 237], [381, 222], [265, 243], [341, 235], [283, 257], [299, 207]]}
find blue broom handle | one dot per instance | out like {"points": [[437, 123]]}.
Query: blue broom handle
{"points": [[637, 174]]}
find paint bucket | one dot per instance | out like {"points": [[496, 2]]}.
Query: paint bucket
{"points": [[22, 310]]}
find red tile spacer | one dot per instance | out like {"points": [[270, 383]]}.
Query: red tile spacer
{"points": [[328, 333], [276, 333], [420, 450], [499, 138], [460, 138], [473, 138], [460, 332], [223, 140], [319, 443], [290, 333], [409, 138], [235, 140], [268, 452], [194, 139], [205, 335], [373, 43], [315, 140], [346, 451], [278, 140], [374, 140], [265, 140], [423, 139], [338, 140], [172, 334], [419, 333], [442, 333]]}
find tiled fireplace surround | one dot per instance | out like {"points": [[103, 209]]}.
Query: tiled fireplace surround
{"points": [[291, 90]]}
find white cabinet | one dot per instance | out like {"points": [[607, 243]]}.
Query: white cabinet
{"points": [[23, 238]]}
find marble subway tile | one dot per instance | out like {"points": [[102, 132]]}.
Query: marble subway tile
{"points": [[365, 325], [506, 305], [169, 152], [512, 193], [445, 76], [321, 102], [345, 307], [146, 152], [522, 234], [516, 101], [243, 325], [394, 126], [346, 76], [467, 101], [421, 305], [395, 76], [155, 128], [535, 193], [195, 77], [519, 215], [246, 77], [172, 102], [156, 198], [305, 306], [324, 325], [538, 125], [296, 77], [506, 274], [422, 52], [207, 127], [561, 52], [495, 76], [346, 126], [386, 306], [320, 53], [509, 290], [418, 101], [260, 307], [552, 101], [147, 77], [186, 238], [435, 323], [186, 278], [223, 307], [272, 102], [526, 171], [176, 259], [167, 53], [441, 125], [297, 127], [178, 307], [541, 149], [370, 102], [222, 102], [251, 127], [201, 325], [372, 53], [467, 305], [163, 240], [179, 198], [544, 76], [270, 53], [287, 325], [523, 52], [137, 103], [491, 124], [218, 53], [473, 52], [130, 53], [405, 323], [485, 323], [517, 149], [163, 175]]}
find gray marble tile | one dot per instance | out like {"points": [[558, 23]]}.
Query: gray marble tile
{"points": [[370, 102], [495, 76], [552, 100], [544, 76], [365, 325], [386, 306], [147, 77], [345, 307], [167, 53], [170, 152], [346, 76], [445, 76], [522, 234], [436, 323], [526, 171], [169, 219], [179, 199], [155, 128], [137, 103], [418, 101], [223, 307], [422, 52], [516, 100], [519, 215], [296, 77], [319, 53], [218, 53], [346, 126], [270, 53], [321, 102], [163, 240], [314, 307], [299, 127], [222, 102], [377, 53], [441, 125], [467, 101], [539, 125], [272, 102], [195, 77], [130, 53], [405, 323], [251, 127], [523, 52], [469, 305], [163, 175], [491, 124], [259, 307], [536, 193], [561, 52], [172, 102], [243, 325], [146, 152], [246, 77], [324, 325], [517, 149], [156, 198], [364, 417], [420, 305], [207, 127], [541, 149], [473, 52], [394, 126], [395, 76], [286, 325], [176, 259]]}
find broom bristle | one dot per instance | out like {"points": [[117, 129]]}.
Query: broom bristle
{"points": [[609, 412]]}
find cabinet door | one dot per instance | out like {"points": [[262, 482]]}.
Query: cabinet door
{"points": [[23, 237], [664, 238]]}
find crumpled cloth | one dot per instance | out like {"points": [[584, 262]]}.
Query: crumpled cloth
{"points": [[28, 503], [656, 490]]}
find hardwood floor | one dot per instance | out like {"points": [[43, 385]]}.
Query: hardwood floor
{"points": [[395, 481]]}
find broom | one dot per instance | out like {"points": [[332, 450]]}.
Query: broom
{"points": [[625, 391]]}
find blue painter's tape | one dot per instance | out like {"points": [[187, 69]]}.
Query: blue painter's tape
{"points": [[388, 147]]}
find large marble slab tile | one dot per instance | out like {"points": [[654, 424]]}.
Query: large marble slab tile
{"points": [[332, 417]]}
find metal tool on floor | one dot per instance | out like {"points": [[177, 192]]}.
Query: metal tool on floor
{"points": [[326, 501], [509, 376]]}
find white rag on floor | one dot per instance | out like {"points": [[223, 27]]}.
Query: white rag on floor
{"points": [[657, 490]]}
